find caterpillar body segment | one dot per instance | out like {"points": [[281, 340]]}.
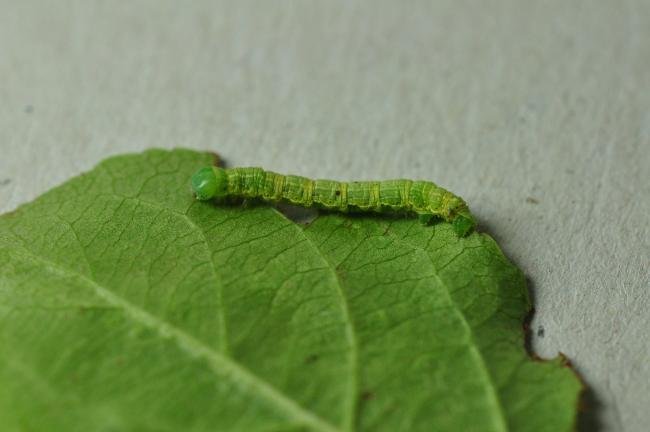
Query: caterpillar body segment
{"points": [[423, 198]]}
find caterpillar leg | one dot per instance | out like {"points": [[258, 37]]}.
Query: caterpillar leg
{"points": [[425, 218], [463, 224]]}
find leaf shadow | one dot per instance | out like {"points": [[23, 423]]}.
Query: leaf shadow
{"points": [[589, 412]]}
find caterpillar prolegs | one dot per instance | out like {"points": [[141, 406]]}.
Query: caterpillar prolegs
{"points": [[423, 198]]}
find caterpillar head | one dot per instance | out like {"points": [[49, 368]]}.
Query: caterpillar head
{"points": [[210, 182]]}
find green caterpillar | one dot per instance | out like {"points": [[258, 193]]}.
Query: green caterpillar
{"points": [[423, 198]]}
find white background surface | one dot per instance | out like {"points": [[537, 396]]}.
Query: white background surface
{"points": [[538, 113]]}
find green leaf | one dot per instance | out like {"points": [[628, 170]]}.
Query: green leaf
{"points": [[126, 305]]}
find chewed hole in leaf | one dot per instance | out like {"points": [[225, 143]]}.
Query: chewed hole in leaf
{"points": [[299, 215]]}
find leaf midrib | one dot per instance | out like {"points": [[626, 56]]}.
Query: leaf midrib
{"points": [[192, 346]]}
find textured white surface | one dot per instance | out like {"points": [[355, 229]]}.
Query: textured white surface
{"points": [[538, 113]]}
